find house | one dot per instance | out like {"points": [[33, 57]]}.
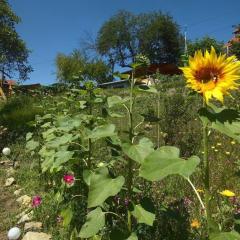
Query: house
{"points": [[234, 39], [7, 86]]}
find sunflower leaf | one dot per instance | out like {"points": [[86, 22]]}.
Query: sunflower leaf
{"points": [[226, 121]]}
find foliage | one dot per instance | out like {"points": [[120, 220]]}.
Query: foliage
{"points": [[76, 68], [204, 44], [235, 49], [125, 35], [13, 51]]}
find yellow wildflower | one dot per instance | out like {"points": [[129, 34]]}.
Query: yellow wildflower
{"points": [[200, 190], [227, 193], [195, 224]]}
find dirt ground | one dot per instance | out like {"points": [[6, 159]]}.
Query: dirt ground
{"points": [[8, 206]]}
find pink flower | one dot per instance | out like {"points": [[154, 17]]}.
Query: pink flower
{"points": [[69, 179], [36, 201]]}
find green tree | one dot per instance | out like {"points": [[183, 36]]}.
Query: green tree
{"points": [[13, 51], [125, 35], [204, 44], [235, 49], [76, 68]]}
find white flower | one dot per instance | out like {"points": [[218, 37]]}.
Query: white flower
{"points": [[6, 151], [14, 233]]}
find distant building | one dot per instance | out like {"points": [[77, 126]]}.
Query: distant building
{"points": [[7, 86], [234, 39], [144, 75]]}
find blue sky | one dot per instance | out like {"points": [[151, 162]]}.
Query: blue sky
{"points": [[52, 26]]}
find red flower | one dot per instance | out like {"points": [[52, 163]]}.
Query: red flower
{"points": [[36, 201], [69, 179]]}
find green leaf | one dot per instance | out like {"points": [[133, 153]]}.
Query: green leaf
{"points": [[58, 141], [67, 215], [116, 100], [29, 136], [143, 216], [165, 161], [32, 145], [95, 222], [82, 104], [140, 151], [106, 130], [133, 236], [87, 176], [103, 186], [147, 89], [226, 121], [225, 236], [61, 157]]}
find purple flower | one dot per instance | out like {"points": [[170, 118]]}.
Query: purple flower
{"points": [[36, 201]]}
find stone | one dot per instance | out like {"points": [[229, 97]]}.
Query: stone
{"points": [[32, 226], [36, 236], [5, 162], [10, 171], [16, 164], [26, 218], [14, 233], [17, 192], [24, 200], [9, 181]]}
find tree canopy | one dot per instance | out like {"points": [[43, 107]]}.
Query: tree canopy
{"points": [[13, 51], [204, 44], [76, 68], [124, 35], [235, 49]]}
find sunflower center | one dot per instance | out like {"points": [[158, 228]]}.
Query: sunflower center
{"points": [[205, 75]]}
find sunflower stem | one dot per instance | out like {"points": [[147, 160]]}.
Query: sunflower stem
{"points": [[206, 174]]}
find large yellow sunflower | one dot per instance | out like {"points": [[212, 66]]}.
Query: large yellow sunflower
{"points": [[211, 75]]}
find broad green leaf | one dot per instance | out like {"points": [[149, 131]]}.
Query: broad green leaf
{"points": [[61, 157], [138, 152], [32, 145], [87, 176], [133, 236], [67, 215], [226, 121], [58, 141], [106, 130], [115, 100], [95, 222], [82, 104], [143, 216], [103, 186], [225, 236], [29, 136], [148, 89], [165, 161]]}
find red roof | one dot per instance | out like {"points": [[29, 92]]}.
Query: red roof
{"points": [[10, 82]]}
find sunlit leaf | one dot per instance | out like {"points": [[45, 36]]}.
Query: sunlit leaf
{"points": [[165, 161], [225, 236], [103, 186], [95, 222], [138, 152]]}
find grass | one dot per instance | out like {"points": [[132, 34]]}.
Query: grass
{"points": [[179, 126]]}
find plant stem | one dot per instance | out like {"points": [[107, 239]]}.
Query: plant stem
{"points": [[197, 194], [158, 123], [206, 174], [130, 161]]}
